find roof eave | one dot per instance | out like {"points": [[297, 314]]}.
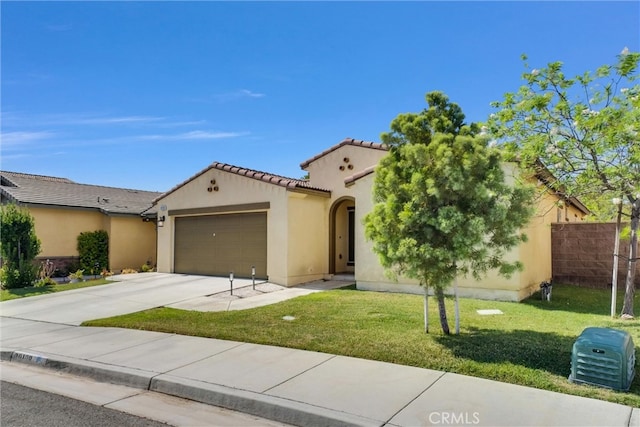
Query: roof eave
{"points": [[312, 191], [346, 141], [82, 208], [545, 175], [351, 180]]}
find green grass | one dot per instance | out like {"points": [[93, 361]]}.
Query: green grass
{"points": [[530, 344], [9, 294]]}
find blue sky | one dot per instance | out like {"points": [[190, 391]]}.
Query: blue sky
{"points": [[145, 94]]}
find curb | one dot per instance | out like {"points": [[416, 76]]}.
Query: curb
{"points": [[270, 407], [265, 406], [85, 368]]}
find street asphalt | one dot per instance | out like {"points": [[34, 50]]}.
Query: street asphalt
{"points": [[291, 386]]}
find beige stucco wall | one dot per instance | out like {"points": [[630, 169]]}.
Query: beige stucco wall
{"points": [[535, 254], [325, 172], [233, 189], [329, 172], [307, 233], [297, 222], [132, 242], [58, 229], [299, 227]]}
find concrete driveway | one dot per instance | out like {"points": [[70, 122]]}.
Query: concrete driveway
{"points": [[130, 293]]}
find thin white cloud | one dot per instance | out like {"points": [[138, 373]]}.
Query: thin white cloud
{"points": [[21, 138], [71, 130], [6, 157], [84, 120], [178, 124], [194, 135], [18, 118], [250, 94], [230, 96]]}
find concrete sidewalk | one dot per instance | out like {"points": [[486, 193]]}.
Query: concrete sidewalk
{"points": [[292, 386]]}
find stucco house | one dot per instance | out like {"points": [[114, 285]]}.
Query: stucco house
{"points": [[62, 209], [231, 219]]}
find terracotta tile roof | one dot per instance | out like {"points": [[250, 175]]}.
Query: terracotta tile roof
{"points": [[350, 180], [52, 191], [282, 181], [346, 141]]}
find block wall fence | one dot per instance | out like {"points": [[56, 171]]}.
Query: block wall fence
{"points": [[582, 254]]}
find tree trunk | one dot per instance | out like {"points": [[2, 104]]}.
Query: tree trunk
{"points": [[426, 309], [616, 252], [627, 308], [457, 306], [442, 310]]}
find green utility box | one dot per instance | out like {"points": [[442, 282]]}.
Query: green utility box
{"points": [[604, 357]]}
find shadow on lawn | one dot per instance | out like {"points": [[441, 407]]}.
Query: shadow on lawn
{"points": [[577, 299], [536, 350], [31, 290]]}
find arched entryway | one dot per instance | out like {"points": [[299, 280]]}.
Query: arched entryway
{"points": [[342, 236]]}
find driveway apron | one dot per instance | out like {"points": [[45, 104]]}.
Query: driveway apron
{"points": [[131, 293]]}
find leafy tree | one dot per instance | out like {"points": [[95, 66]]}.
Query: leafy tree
{"points": [[93, 250], [585, 131], [442, 206], [19, 246]]}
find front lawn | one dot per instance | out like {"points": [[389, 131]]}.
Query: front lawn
{"points": [[9, 294], [530, 344]]}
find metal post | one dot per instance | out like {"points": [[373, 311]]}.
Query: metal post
{"points": [[616, 254], [253, 276], [231, 281]]}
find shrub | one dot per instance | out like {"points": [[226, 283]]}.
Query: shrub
{"points": [[93, 249], [67, 268], [128, 271], [48, 281], [146, 268], [78, 275], [19, 246], [18, 277], [47, 268]]}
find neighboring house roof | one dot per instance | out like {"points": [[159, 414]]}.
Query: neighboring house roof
{"points": [[346, 141], [282, 181], [39, 190]]}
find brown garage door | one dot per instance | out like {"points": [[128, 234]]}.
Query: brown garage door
{"points": [[218, 244]]}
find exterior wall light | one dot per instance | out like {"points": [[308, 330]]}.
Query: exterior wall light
{"points": [[161, 221]]}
